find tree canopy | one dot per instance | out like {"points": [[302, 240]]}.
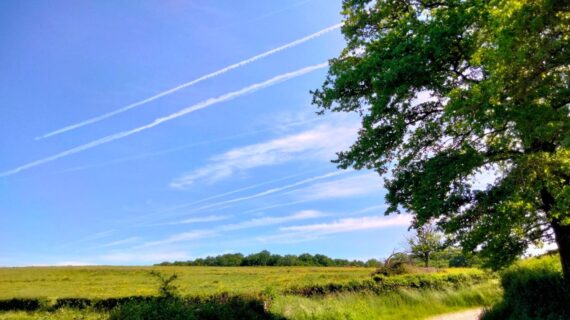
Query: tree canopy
{"points": [[454, 91]]}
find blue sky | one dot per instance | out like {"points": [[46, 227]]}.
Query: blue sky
{"points": [[235, 162]]}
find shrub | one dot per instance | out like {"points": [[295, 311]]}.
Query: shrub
{"points": [[222, 306], [156, 309], [22, 304], [533, 289], [72, 303]]}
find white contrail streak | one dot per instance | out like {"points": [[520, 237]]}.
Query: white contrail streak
{"points": [[156, 122], [179, 148], [191, 83], [271, 191]]}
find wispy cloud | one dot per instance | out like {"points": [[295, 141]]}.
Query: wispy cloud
{"points": [[156, 122], [315, 231], [191, 83], [353, 224], [211, 218], [252, 223], [146, 155], [347, 187], [267, 221], [322, 141], [122, 242], [271, 191], [181, 237]]}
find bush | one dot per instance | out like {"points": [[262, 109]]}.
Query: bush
{"points": [[72, 303], [533, 289], [22, 304], [156, 309], [222, 306]]}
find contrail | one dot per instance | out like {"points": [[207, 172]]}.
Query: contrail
{"points": [[179, 148], [260, 194], [191, 83], [271, 191], [201, 105]]}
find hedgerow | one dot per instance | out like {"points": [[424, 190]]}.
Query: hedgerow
{"points": [[381, 283]]}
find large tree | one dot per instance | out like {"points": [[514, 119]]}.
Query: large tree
{"points": [[456, 91]]}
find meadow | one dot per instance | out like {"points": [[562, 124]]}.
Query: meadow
{"points": [[283, 292], [105, 282]]}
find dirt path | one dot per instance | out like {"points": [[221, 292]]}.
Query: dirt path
{"points": [[472, 314]]}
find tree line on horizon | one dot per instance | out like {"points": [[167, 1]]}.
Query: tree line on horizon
{"points": [[441, 258], [266, 258]]}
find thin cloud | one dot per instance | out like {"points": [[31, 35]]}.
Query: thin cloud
{"points": [[363, 184], [191, 83], [182, 147], [156, 122], [322, 142], [120, 242], [353, 224], [267, 221], [300, 233], [224, 194], [181, 237], [203, 219], [271, 191], [252, 223]]}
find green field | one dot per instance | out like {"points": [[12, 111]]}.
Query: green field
{"points": [[104, 282], [108, 282]]}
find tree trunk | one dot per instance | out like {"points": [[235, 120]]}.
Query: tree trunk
{"points": [[562, 236], [561, 233]]}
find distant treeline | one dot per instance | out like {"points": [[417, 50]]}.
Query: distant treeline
{"points": [[265, 258]]}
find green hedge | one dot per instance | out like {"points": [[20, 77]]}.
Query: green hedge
{"points": [[381, 283], [219, 306], [533, 289], [222, 307], [23, 304]]}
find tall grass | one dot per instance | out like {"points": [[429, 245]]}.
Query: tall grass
{"points": [[402, 304]]}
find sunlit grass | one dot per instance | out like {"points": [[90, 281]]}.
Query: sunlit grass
{"points": [[104, 282], [61, 314], [404, 304]]}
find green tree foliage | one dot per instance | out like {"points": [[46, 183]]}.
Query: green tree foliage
{"points": [[426, 241], [454, 88], [265, 258]]}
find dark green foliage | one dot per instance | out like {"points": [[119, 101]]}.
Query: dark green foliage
{"points": [[451, 89], [221, 307], [22, 304], [265, 258], [72, 303], [532, 293]]}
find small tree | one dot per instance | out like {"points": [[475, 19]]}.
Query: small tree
{"points": [[424, 242], [167, 288]]}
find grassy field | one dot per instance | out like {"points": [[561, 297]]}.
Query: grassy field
{"points": [[403, 304], [103, 282], [106, 282]]}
